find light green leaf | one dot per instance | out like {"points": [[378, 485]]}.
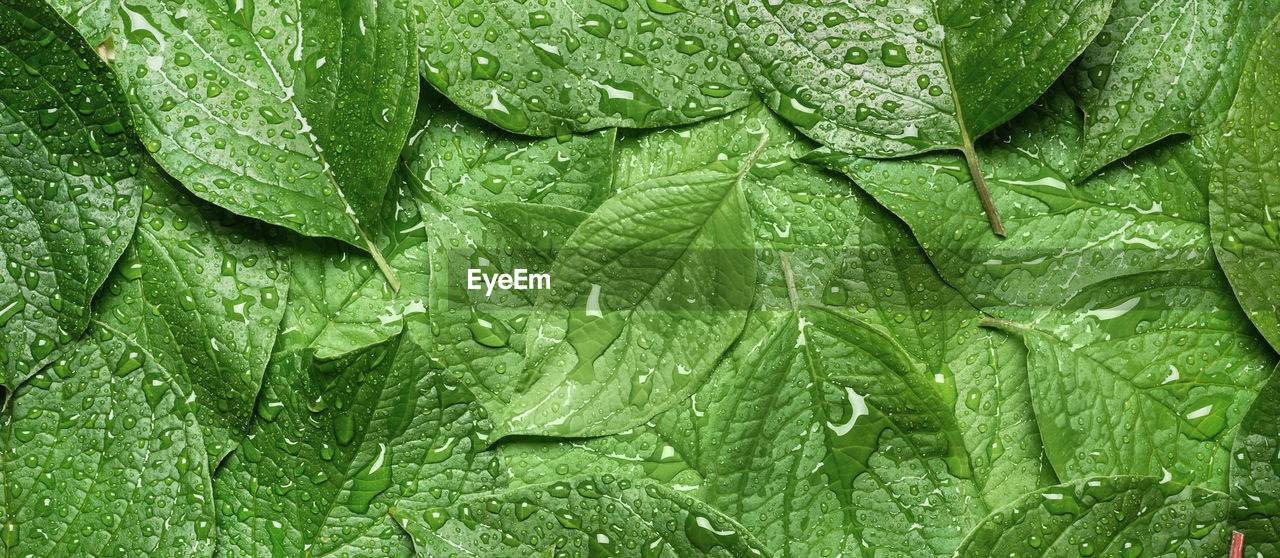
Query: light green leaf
{"points": [[647, 294], [1244, 197], [103, 455], [1117, 266], [339, 302], [337, 444], [92, 18], [1146, 214], [1106, 516], [202, 292], [1159, 69], [292, 114], [883, 80], [494, 202], [581, 65], [70, 199], [760, 431], [593, 516], [1145, 375], [1255, 473]]}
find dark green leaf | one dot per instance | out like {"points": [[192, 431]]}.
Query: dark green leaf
{"points": [[337, 444], [103, 456], [202, 292], [592, 516], [649, 291]]}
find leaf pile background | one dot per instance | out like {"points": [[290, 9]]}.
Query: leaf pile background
{"points": [[865, 278]]}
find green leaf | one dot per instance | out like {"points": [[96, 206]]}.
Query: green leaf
{"points": [[67, 171], [1159, 69], [494, 202], [1106, 516], [339, 302], [1146, 214], [642, 453], [1172, 413], [1095, 273], [110, 449], [92, 18], [882, 80], [1244, 199], [293, 114], [765, 431], [1255, 473], [203, 293], [647, 294], [595, 516], [581, 65], [103, 455], [337, 444]]}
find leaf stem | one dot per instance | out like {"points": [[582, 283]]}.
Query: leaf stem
{"points": [[980, 183], [377, 257]]}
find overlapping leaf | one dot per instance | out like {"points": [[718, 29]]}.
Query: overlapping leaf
{"points": [[202, 293], [290, 113], [337, 444], [103, 455], [1096, 273], [1161, 68], [340, 302], [494, 202], [1244, 197], [649, 291], [592, 516], [67, 184], [1106, 516], [1255, 473], [581, 65]]}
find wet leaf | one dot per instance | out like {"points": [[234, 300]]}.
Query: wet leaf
{"points": [[1244, 196], [597, 516], [1255, 473], [335, 445], [1106, 516], [67, 186], [293, 114], [1161, 68], [203, 293], [581, 65]]}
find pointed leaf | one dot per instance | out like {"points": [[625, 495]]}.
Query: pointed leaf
{"points": [[596, 516], [1255, 473], [103, 455], [67, 171], [1244, 197], [290, 113], [337, 444], [203, 292], [889, 79], [649, 291], [1159, 69]]}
